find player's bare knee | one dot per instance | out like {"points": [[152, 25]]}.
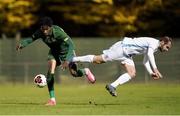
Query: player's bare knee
{"points": [[52, 66], [98, 62], [98, 59]]}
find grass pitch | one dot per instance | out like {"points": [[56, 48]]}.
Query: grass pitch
{"points": [[86, 99]]}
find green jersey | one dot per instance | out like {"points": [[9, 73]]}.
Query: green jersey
{"points": [[58, 41]]}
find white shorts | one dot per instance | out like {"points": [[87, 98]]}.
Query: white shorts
{"points": [[115, 52]]}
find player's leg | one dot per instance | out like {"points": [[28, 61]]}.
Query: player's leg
{"points": [[76, 72], [130, 73], [116, 53], [108, 55], [98, 59], [50, 78]]}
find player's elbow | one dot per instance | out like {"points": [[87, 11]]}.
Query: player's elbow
{"points": [[150, 55]]}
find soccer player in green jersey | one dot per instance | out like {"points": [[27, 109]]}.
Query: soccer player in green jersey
{"points": [[60, 54]]}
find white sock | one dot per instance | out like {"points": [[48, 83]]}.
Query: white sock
{"points": [[87, 58], [121, 80], [53, 99]]}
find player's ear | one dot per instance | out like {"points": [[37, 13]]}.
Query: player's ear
{"points": [[161, 43]]}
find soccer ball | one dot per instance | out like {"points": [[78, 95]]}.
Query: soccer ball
{"points": [[40, 80]]}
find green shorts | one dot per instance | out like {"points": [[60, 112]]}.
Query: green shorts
{"points": [[59, 57]]}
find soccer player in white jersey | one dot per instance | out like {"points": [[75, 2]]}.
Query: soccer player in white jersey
{"points": [[123, 51]]}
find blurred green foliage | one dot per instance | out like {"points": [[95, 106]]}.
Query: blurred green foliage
{"points": [[96, 17], [17, 15]]}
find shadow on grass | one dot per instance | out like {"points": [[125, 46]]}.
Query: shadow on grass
{"points": [[94, 103], [20, 103], [65, 103]]}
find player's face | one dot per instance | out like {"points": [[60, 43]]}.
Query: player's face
{"points": [[46, 30], [165, 47]]}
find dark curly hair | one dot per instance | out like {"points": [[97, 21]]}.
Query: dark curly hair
{"points": [[46, 21]]}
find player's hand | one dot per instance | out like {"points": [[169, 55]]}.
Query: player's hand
{"points": [[18, 47], [64, 65], [154, 76], [156, 71]]}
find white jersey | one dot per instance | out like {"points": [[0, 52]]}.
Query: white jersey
{"points": [[140, 45]]}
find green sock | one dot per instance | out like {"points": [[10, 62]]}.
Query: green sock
{"points": [[80, 72], [76, 72], [50, 83]]}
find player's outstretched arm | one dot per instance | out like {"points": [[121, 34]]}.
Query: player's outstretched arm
{"points": [[149, 69], [147, 64], [152, 65], [23, 43]]}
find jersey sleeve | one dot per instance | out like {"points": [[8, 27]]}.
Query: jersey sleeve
{"points": [[70, 44], [147, 64], [152, 45], [26, 42], [151, 58]]}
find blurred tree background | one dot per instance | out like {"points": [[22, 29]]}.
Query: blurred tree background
{"points": [[93, 18]]}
